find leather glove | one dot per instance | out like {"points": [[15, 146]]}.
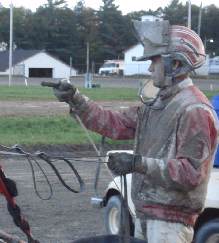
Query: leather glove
{"points": [[124, 163], [65, 92]]}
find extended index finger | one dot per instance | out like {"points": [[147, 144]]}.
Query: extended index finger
{"points": [[50, 84]]}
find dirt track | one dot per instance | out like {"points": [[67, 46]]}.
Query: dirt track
{"points": [[66, 216], [26, 108]]}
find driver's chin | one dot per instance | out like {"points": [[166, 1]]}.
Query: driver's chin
{"points": [[158, 83]]}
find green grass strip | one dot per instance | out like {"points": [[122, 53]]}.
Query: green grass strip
{"points": [[41, 130], [210, 94], [18, 92], [45, 130]]}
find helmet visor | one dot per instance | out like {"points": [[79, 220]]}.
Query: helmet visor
{"points": [[154, 36]]}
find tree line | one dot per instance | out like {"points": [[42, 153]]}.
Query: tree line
{"points": [[65, 31]]}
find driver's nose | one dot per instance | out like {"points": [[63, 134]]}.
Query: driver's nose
{"points": [[151, 68]]}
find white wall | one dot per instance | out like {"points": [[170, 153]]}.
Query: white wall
{"points": [[204, 69], [214, 65], [135, 67], [43, 60], [3, 73]]}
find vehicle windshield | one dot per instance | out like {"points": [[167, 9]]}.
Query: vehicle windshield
{"points": [[108, 65]]}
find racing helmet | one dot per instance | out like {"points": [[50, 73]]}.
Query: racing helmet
{"points": [[178, 42]]}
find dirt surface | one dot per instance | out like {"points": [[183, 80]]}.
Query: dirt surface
{"points": [[66, 216], [29, 108]]}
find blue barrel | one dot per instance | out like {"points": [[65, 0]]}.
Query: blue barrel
{"points": [[215, 103]]}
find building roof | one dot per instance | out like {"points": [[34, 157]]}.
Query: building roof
{"points": [[18, 56], [131, 47]]}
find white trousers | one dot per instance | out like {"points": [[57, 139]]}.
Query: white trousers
{"points": [[157, 231]]}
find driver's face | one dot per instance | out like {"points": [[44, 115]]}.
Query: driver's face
{"points": [[157, 71]]}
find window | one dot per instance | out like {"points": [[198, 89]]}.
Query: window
{"points": [[40, 72], [133, 59], [109, 65]]}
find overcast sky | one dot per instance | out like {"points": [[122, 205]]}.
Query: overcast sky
{"points": [[125, 6]]}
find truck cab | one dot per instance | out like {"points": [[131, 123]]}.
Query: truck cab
{"points": [[112, 67]]}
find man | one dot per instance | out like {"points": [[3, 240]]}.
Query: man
{"points": [[175, 134]]}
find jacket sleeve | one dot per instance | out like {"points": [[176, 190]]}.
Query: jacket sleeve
{"points": [[113, 124], [196, 139]]}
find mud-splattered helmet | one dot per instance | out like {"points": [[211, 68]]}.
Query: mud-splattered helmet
{"points": [[179, 42]]}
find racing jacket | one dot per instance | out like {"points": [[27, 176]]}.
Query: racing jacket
{"points": [[176, 136]]}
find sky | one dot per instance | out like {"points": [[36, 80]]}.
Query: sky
{"points": [[125, 6]]}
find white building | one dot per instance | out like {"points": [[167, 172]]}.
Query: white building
{"points": [[204, 69], [214, 65], [131, 65], [35, 64]]}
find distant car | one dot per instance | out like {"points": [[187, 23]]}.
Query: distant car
{"points": [[112, 67], [207, 224]]}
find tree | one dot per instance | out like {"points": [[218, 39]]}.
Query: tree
{"points": [[114, 31], [138, 14], [55, 3], [4, 25], [20, 30], [209, 29], [176, 13], [79, 6], [87, 29]]}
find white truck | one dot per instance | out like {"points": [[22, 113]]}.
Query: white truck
{"points": [[112, 67], [207, 224]]}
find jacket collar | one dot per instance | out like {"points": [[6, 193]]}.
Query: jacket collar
{"points": [[172, 90]]}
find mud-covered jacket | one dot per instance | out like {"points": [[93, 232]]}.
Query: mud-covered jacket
{"points": [[176, 136]]}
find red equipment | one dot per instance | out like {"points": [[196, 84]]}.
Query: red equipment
{"points": [[9, 191]]}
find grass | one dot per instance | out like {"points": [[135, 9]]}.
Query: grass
{"points": [[46, 130], [41, 130], [18, 92], [210, 94]]}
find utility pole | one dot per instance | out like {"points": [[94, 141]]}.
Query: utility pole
{"points": [[200, 20], [88, 54], [88, 76], [11, 43], [189, 14], [70, 74]]}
